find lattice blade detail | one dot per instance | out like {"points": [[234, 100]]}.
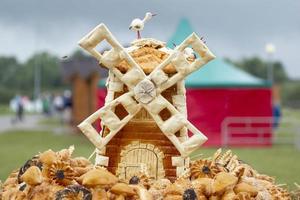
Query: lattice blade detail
{"points": [[109, 119], [111, 58], [175, 123], [183, 67]]}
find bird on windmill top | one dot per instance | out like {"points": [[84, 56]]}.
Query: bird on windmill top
{"points": [[138, 24]]}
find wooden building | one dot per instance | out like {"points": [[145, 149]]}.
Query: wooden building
{"points": [[84, 73]]}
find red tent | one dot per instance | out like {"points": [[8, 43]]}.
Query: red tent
{"points": [[230, 106]]}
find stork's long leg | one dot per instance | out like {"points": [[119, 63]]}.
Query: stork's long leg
{"points": [[138, 34]]}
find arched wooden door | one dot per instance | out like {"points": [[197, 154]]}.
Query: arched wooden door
{"points": [[138, 156]]}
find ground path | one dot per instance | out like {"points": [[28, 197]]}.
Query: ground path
{"points": [[30, 122]]}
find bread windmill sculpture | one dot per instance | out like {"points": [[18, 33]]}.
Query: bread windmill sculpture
{"points": [[144, 119]]}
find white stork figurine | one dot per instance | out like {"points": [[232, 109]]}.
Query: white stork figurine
{"points": [[138, 24]]}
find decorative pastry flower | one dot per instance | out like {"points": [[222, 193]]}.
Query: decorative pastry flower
{"points": [[74, 192], [203, 169], [145, 91], [60, 172]]}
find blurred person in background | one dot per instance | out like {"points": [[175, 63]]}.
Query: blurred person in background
{"points": [[58, 103], [19, 105], [46, 105], [67, 97], [276, 115]]}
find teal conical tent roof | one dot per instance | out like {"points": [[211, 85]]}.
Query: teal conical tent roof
{"points": [[183, 30], [219, 73], [216, 73]]}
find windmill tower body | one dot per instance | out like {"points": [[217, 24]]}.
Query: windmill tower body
{"points": [[144, 120], [141, 141]]}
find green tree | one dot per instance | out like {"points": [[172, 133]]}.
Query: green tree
{"points": [[291, 93], [50, 71], [8, 66], [18, 77], [259, 67]]}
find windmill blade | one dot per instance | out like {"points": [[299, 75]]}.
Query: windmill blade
{"points": [[111, 58], [109, 119], [179, 61], [173, 124]]}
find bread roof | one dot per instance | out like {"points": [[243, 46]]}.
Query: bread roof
{"points": [[147, 53]]}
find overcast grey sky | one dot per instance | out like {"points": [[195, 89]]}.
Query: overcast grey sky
{"points": [[232, 28]]}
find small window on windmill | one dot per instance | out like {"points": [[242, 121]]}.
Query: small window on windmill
{"points": [[168, 93], [165, 114], [103, 46], [120, 111]]}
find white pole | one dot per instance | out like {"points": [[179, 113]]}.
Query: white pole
{"points": [[37, 69], [270, 50]]}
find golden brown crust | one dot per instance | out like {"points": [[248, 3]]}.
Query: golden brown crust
{"points": [[99, 177], [48, 157], [244, 187], [224, 181], [148, 58], [102, 184], [32, 176], [122, 189]]}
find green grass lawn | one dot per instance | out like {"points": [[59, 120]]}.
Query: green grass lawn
{"points": [[18, 146], [5, 110], [280, 161]]}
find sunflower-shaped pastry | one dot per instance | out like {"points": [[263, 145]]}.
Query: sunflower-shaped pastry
{"points": [[203, 169], [60, 172], [74, 192]]}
